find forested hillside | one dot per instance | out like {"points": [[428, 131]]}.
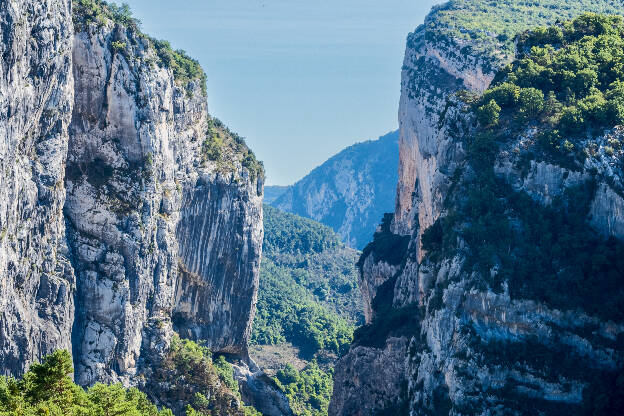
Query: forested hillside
{"points": [[189, 379], [308, 307]]}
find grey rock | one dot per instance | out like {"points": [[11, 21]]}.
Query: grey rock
{"points": [[260, 391], [474, 351], [37, 283]]}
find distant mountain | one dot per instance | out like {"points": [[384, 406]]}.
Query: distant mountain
{"points": [[271, 193], [349, 192]]}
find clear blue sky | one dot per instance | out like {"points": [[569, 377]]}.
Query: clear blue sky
{"points": [[299, 79]]}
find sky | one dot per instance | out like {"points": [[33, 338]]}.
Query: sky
{"points": [[300, 80]]}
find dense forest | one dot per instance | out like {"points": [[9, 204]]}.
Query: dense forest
{"points": [[308, 299]]}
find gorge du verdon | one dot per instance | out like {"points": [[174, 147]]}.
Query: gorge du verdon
{"points": [[470, 262]]}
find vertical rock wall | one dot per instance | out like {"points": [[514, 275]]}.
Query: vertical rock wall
{"points": [[438, 343], [36, 280]]}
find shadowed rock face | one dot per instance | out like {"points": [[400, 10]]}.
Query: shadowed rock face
{"points": [[473, 350], [116, 228]]}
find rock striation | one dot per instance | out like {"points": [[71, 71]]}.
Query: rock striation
{"points": [[127, 213], [36, 98]]}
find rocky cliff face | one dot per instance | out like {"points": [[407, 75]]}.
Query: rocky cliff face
{"points": [[121, 222], [36, 94], [350, 191], [441, 343]]}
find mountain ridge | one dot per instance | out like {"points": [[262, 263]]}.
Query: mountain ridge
{"points": [[349, 191]]}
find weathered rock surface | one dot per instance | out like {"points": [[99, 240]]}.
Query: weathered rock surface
{"points": [[37, 283], [260, 391], [378, 372], [117, 229]]}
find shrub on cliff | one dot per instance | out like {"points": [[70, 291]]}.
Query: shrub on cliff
{"points": [[566, 92], [308, 391], [567, 81]]}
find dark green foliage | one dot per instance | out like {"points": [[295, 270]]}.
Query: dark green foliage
{"points": [[188, 377], [547, 253], [308, 286], [47, 389], [489, 113], [50, 379], [308, 297], [433, 237], [567, 81], [288, 312], [388, 322], [99, 12], [185, 69], [225, 372], [226, 147], [308, 390], [603, 396], [290, 234], [386, 246]]}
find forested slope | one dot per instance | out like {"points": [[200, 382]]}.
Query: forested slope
{"points": [[308, 307]]}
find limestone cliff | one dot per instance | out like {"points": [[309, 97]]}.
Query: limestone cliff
{"points": [[127, 211], [442, 340], [37, 282]]}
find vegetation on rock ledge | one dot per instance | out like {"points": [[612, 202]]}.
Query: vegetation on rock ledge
{"points": [[185, 69], [547, 253]]}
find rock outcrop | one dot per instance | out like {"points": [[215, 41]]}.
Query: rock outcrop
{"points": [[126, 211], [350, 191], [464, 347]]}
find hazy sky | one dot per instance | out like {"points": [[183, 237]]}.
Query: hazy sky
{"points": [[299, 79]]}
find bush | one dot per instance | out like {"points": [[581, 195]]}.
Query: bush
{"points": [[185, 69], [289, 233], [530, 102], [489, 113], [308, 391], [386, 246], [579, 64]]}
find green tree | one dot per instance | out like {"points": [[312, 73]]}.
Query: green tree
{"points": [[489, 113], [50, 380], [530, 102]]}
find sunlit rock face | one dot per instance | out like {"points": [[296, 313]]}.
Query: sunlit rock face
{"points": [[350, 192], [116, 229]]}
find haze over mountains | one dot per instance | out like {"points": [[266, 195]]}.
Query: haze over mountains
{"points": [[350, 192]]}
